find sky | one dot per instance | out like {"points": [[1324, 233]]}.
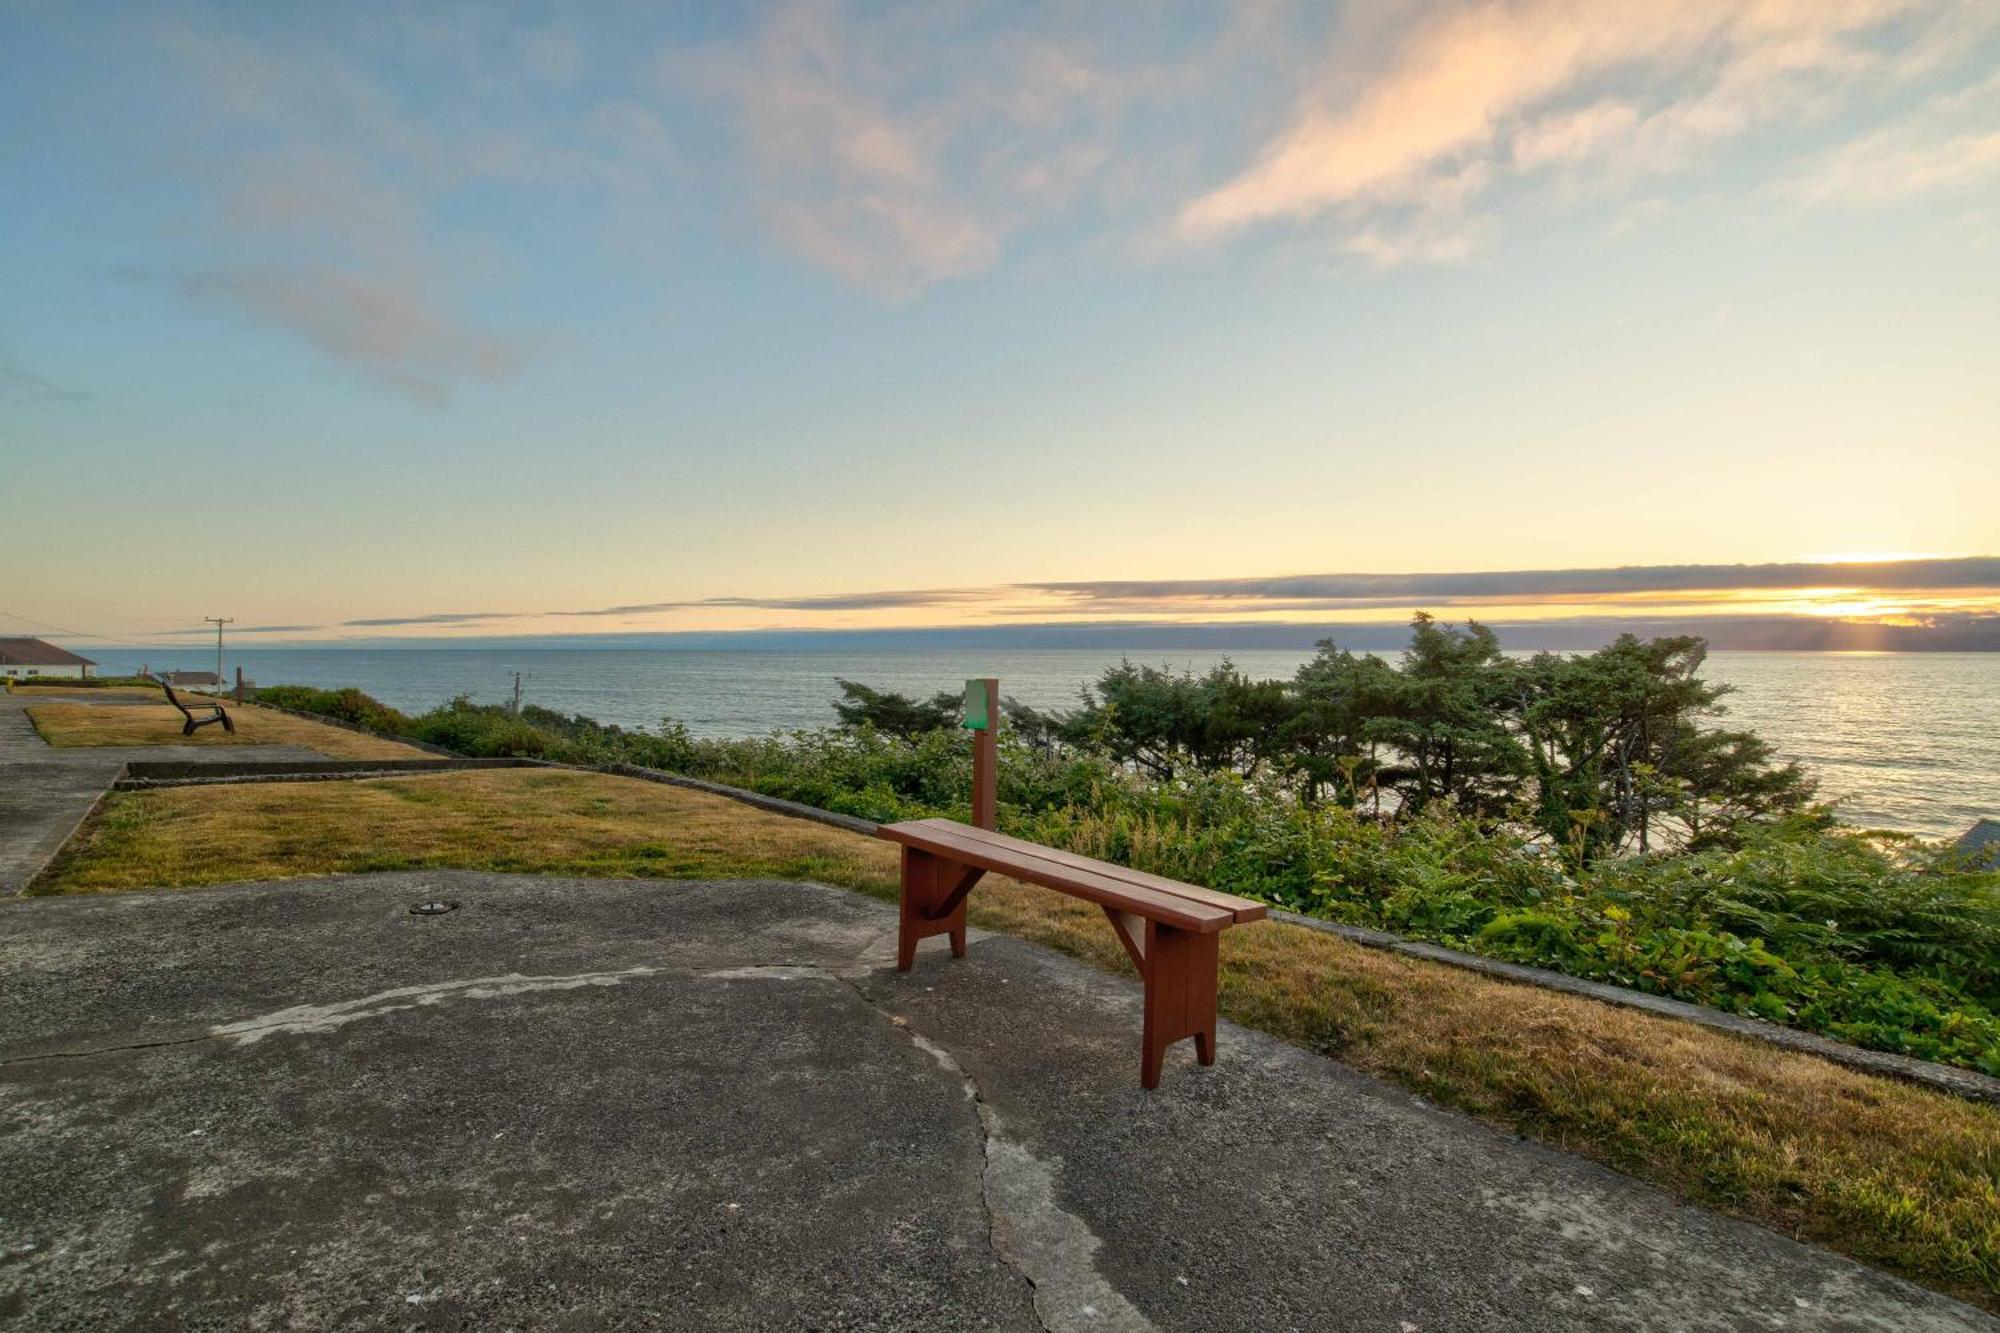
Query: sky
{"points": [[360, 321]]}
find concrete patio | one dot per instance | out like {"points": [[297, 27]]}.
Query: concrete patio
{"points": [[591, 1103]]}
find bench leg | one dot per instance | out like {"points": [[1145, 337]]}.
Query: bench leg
{"points": [[1180, 970], [933, 903]]}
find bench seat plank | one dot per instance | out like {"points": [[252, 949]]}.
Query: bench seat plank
{"points": [[1240, 909], [943, 838]]}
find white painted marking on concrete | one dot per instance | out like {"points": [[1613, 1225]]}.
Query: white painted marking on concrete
{"points": [[1054, 1249], [313, 1018], [942, 1056], [770, 972]]}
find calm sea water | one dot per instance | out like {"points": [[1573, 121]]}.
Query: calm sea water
{"points": [[1906, 740]]}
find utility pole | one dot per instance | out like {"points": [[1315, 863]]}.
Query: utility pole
{"points": [[517, 694], [219, 622]]}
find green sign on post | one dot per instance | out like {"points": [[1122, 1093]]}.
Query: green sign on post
{"points": [[976, 712]]}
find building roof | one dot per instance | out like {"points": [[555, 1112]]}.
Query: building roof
{"points": [[35, 652], [1981, 843], [193, 678]]}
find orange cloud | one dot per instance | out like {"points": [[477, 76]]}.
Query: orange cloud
{"points": [[1486, 83]]}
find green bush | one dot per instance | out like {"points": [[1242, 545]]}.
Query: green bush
{"points": [[348, 705]]}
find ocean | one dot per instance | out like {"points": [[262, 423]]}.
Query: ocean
{"points": [[1906, 741]]}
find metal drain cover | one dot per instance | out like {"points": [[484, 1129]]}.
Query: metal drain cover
{"points": [[433, 907]]}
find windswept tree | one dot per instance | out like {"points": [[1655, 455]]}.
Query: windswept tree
{"points": [[1322, 742], [1162, 722], [1039, 731], [895, 714], [1448, 720], [1619, 756], [1724, 779]]}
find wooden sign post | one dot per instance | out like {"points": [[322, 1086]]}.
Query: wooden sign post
{"points": [[982, 719]]}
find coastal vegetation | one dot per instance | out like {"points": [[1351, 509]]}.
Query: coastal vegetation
{"points": [[1579, 813], [1891, 1173]]}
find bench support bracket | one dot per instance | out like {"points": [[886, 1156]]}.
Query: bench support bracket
{"points": [[1179, 967], [934, 893]]}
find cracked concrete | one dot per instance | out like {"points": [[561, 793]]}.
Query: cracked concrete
{"points": [[1051, 1249], [596, 1104]]}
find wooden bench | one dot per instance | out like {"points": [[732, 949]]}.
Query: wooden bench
{"points": [[188, 728], [1170, 929]]}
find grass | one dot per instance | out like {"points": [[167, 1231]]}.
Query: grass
{"points": [[77, 724], [52, 686], [1892, 1174]]}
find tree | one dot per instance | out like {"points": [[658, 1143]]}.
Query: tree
{"points": [[1447, 718], [895, 714], [1161, 721], [1322, 743], [1725, 779], [1039, 731], [1604, 751], [1616, 748]]}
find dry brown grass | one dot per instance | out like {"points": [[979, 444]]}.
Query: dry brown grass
{"points": [[1890, 1173], [80, 724]]}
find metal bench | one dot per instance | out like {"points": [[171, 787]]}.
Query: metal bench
{"points": [[1168, 928], [214, 712]]}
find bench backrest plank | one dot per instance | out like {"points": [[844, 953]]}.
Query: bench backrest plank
{"points": [[1240, 908], [175, 699], [1091, 880]]}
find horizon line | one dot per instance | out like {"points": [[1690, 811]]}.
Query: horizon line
{"points": [[1778, 632]]}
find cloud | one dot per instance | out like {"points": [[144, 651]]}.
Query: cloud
{"points": [[1949, 144], [1432, 240], [1877, 169], [852, 183], [437, 618], [1570, 136], [858, 601], [898, 147], [391, 333], [1520, 88], [329, 200], [358, 174], [237, 629], [1932, 586], [1297, 591], [23, 388]]}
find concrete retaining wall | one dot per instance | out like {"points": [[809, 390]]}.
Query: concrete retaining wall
{"points": [[141, 774]]}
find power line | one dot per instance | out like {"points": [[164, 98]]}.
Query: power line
{"points": [[130, 639], [73, 633]]}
